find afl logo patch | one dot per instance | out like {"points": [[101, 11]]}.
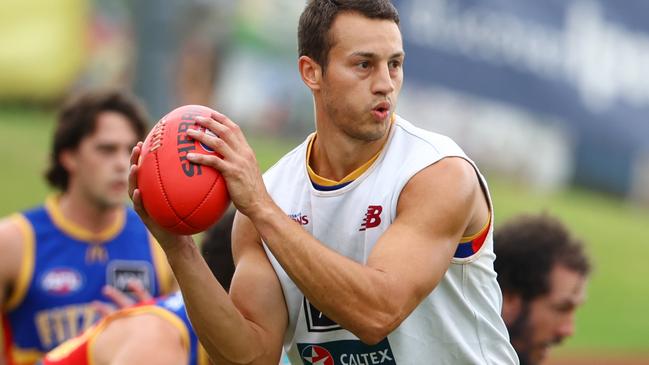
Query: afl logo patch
{"points": [[209, 133], [61, 281], [316, 355]]}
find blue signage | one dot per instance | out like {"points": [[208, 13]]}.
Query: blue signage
{"points": [[583, 62]]}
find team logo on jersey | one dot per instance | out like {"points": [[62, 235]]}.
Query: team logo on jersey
{"points": [[121, 272], [346, 352], [372, 217], [61, 281], [301, 219], [316, 355], [316, 321]]}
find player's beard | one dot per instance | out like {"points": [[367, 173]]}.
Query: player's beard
{"points": [[520, 332]]}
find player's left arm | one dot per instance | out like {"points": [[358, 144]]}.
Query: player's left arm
{"points": [[436, 208]]}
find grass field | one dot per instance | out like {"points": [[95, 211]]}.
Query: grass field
{"points": [[612, 321]]}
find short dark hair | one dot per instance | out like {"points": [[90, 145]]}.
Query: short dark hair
{"points": [[216, 249], [528, 247], [314, 38], [78, 119]]}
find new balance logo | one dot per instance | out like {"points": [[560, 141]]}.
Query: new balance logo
{"points": [[372, 217]]}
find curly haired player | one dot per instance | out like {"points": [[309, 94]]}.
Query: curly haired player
{"points": [[542, 270]]}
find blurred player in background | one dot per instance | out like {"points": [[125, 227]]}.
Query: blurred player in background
{"points": [[371, 240], [157, 333], [153, 333], [55, 259], [542, 270]]}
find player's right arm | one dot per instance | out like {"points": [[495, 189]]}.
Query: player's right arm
{"points": [[11, 243], [245, 327], [257, 295]]}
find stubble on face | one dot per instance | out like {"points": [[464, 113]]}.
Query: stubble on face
{"points": [[530, 349], [520, 334], [352, 119]]}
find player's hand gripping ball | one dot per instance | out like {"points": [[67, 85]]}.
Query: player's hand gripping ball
{"points": [[182, 197]]}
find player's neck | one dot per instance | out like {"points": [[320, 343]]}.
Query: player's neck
{"points": [[335, 155], [91, 216]]}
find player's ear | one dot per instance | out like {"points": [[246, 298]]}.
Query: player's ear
{"points": [[310, 71], [512, 306], [67, 158]]}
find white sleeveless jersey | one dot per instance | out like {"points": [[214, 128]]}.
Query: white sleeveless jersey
{"points": [[458, 323]]}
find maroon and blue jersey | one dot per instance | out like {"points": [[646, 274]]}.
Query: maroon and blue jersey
{"points": [[64, 268]]}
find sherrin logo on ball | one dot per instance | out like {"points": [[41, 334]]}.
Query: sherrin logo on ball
{"points": [[181, 196]]}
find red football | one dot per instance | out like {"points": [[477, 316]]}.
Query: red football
{"points": [[183, 197]]}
